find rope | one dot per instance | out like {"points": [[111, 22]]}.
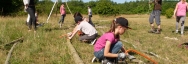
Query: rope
{"points": [[131, 50]]}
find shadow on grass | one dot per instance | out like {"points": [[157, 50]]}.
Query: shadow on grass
{"points": [[186, 28], [50, 29], [179, 32]]}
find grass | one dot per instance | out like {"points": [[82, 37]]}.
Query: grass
{"points": [[46, 48]]}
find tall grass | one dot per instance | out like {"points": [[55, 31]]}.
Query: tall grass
{"points": [[46, 48]]}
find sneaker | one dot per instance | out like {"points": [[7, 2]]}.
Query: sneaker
{"points": [[181, 33], [151, 31], [60, 25], [94, 59], [93, 42], [176, 31], [105, 61], [157, 32]]}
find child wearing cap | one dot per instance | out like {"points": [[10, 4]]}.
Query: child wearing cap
{"points": [[90, 33], [108, 45]]}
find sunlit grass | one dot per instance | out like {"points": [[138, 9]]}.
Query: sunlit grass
{"points": [[47, 48]]}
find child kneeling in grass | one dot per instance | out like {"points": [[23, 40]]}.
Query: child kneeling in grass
{"points": [[108, 45], [89, 32]]}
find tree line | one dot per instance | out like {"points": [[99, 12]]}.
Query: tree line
{"points": [[100, 7]]}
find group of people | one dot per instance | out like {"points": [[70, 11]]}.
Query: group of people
{"points": [[108, 45], [63, 15], [179, 13]]}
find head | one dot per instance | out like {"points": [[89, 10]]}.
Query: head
{"points": [[62, 4], [183, 1], [89, 6], [78, 19], [78, 14], [119, 26]]}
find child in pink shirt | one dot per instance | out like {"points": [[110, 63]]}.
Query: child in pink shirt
{"points": [[108, 45], [180, 14]]}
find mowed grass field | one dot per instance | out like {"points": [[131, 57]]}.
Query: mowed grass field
{"points": [[45, 47]]}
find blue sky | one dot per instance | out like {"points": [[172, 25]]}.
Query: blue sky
{"points": [[118, 1]]}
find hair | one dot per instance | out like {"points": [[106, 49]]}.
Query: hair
{"points": [[89, 6], [183, 1], [77, 14], [113, 25]]}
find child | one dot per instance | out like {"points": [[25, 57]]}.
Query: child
{"points": [[77, 14], [180, 14], [90, 33], [108, 45]]}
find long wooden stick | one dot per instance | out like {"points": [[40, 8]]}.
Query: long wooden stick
{"points": [[10, 51], [76, 57], [9, 54]]}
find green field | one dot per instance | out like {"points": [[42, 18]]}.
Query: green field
{"points": [[45, 47]]}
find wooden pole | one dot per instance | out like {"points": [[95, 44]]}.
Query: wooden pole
{"points": [[75, 55]]}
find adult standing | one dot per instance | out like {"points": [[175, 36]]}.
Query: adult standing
{"points": [[180, 14], [90, 15], [25, 7], [30, 8], [63, 14], [155, 14]]}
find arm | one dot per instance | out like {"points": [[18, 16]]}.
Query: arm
{"points": [[75, 30], [60, 10], [88, 11], [175, 10], [107, 49]]}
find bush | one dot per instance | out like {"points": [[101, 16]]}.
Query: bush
{"points": [[169, 12]]}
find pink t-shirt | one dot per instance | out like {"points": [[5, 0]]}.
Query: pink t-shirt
{"points": [[101, 42], [181, 9], [62, 10]]}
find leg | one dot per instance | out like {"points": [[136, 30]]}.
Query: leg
{"points": [[116, 47], [90, 21], [88, 38], [177, 23], [151, 21], [99, 54], [182, 24], [158, 20], [32, 17]]}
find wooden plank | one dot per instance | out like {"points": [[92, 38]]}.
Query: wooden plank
{"points": [[75, 55]]}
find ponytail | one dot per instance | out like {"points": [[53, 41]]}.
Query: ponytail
{"points": [[113, 26]]}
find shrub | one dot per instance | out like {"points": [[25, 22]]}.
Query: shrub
{"points": [[169, 12]]}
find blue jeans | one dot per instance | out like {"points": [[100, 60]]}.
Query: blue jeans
{"points": [[115, 48]]}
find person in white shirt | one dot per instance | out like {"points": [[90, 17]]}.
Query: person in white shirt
{"points": [[89, 32], [90, 15], [25, 7], [30, 8]]}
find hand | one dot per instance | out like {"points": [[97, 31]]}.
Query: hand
{"points": [[174, 16], [69, 38], [121, 56], [69, 34]]}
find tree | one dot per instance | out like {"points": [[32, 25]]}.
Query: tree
{"points": [[106, 8]]}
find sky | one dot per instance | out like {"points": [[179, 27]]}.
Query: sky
{"points": [[118, 1]]}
